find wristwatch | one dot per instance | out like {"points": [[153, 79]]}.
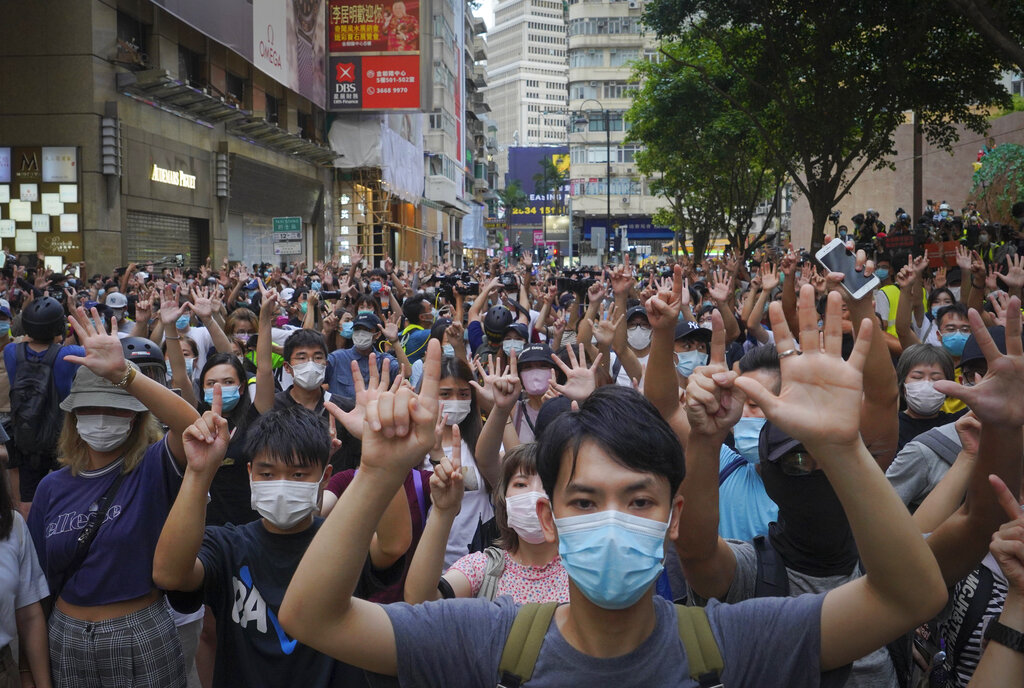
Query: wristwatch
{"points": [[1004, 635]]}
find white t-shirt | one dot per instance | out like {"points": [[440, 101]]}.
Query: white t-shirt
{"points": [[22, 581], [623, 377], [476, 508]]}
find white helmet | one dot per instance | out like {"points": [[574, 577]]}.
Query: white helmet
{"points": [[945, 206]]}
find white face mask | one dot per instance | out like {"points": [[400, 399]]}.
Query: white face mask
{"points": [[309, 375], [639, 338], [103, 433], [922, 397], [522, 516], [456, 409], [283, 502], [361, 339]]}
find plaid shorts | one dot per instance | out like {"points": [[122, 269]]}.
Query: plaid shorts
{"points": [[138, 650]]}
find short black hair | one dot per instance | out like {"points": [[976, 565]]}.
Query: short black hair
{"points": [[645, 443], [957, 308], [301, 339], [412, 309], [295, 436], [760, 358]]}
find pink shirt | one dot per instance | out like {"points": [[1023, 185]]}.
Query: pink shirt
{"points": [[548, 583]]}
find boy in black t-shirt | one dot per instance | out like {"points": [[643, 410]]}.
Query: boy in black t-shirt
{"points": [[243, 571]]}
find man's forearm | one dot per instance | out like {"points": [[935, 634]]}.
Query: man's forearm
{"points": [[428, 560], [488, 445], [699, 539], [1001, 667], [662, 390], [326, 578], [182, 534]]}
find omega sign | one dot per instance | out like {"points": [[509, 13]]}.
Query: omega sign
{"points": [[174, 178], [267, 50]]}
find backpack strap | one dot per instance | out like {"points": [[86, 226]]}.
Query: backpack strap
{"points": [[772, 580], [492, 572], [522, 646], [942, 444], [51, 355], [616, 367], [702, 651], [731, 468]]}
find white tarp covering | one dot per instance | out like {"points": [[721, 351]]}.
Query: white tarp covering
{"points": [[473, 233], [392, 142]]}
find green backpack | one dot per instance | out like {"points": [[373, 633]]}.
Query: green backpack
{"points": [[522, 646]]}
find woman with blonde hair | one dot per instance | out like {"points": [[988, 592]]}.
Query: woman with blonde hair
{"points": [[96, 521]]}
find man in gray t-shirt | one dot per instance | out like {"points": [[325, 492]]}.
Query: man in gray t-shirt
{"points": [[765, 643]]}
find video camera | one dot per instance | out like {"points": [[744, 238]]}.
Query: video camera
{"points": [[576, 281], [447, 285]]}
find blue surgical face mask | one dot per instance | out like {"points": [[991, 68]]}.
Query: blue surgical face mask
{"points": [[315, 286], [5, 329], [747, 434], [935, 311], [954, 342], [346, 329], [229, 397], [611, 556], [182, 322], [375, 286], [882, 273], [448, 350], [688, 360], [101, 292]]}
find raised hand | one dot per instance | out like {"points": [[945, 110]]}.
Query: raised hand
{"points": [[390, 330], [622, 279], [721, 287], [103, 353], [820, 398], [504, 388], [939, 278], [1008, 542], [365, 393], [995, 399], [206, 440], [581, 381], [663, 308], [202, 305], [769, 276], [1014, 277], [963, 258], [398, 429], [992, 279], [596, 291], [968, 428], [712, 403], [1000, 302], [604, 329]]}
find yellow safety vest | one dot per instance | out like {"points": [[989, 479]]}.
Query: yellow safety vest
{"points": [[892, 292]]}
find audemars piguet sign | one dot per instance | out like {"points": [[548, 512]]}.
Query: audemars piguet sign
{"points": [[173, 177]]}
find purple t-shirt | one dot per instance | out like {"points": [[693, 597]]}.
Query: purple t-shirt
{"points": [[119, 565]]}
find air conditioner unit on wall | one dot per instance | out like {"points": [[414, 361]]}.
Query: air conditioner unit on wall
{"points": [[634, 4]]}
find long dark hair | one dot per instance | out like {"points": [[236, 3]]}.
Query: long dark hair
{"points": [[471, 425], [6, 508], [238, 414]]}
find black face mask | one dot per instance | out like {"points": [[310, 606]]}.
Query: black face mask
{"points": [[812, 534]]}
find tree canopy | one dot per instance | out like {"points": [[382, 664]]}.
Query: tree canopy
{"points": [[824, 85]]}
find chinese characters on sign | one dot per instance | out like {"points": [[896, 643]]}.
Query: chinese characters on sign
{"points": [[374, 55]]}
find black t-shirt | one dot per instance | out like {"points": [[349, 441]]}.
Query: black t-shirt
{"points": [[912, 427], [247, 570], [230, 500]]}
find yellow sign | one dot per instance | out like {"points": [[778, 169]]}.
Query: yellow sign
{"points": [[561, 162]]}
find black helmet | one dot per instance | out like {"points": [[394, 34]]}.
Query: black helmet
{"points": [[43, 319], [497, 321], [147, 356]]}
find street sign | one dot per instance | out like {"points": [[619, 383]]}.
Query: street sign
{"points": [[287, 236], [288, 224]]}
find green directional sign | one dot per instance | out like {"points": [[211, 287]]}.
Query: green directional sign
{"points": [[288, 224]]}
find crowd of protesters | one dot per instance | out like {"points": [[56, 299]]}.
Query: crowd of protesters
{"points": [[687, 473]]}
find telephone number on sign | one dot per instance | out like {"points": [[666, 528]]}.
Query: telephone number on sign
{"points": [[392, 90]]}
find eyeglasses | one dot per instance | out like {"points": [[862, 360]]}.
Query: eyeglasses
{"points": [[302, 358], [797, 463], [952, 329]]}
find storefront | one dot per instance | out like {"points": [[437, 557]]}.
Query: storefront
{"points": [[259, 193], [168, 201], [40, 204]]}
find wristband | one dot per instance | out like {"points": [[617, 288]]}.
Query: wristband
{"points": [[1005, 636]]}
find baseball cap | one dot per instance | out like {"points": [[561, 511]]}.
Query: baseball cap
{"points": [[117, 300], [972, 352], [691, 330], [286, 294], [774, 443], [5, 308], [367, 321], [536, 353], [520, 329], [636, 310]]}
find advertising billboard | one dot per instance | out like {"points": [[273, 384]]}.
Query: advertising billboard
{"points": [[525, 165], [284, 39], [375, 54]]}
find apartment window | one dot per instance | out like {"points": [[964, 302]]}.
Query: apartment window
{"points": [[235, 86], [130, 30], [190, 67], [273, 109], [620, 57]]}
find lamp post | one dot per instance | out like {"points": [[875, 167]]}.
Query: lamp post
{"points": [[581, 119]]}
